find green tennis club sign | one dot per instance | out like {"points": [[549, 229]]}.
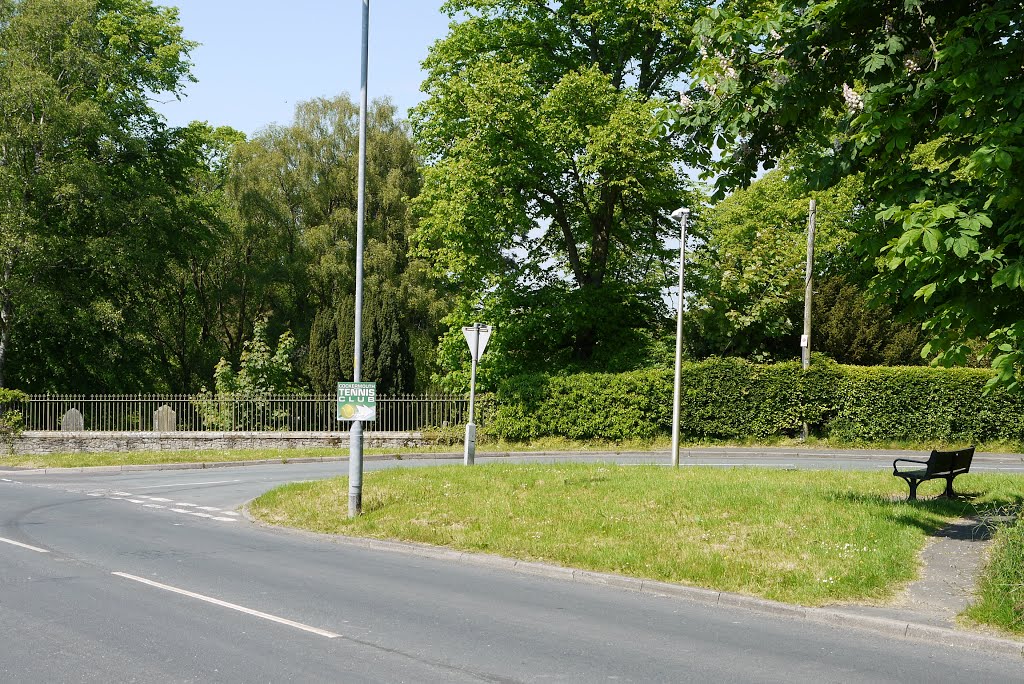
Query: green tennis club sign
{"points": [[357, 401]]}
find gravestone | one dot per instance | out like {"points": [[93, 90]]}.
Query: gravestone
{"points": [[72, 421], [165, 419]]}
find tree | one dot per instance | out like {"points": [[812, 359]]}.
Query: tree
{"points": [[290, 251], [91, 187], [748, 269], [851, 328], [923, 98], [241, 400], [182, 314], [545, 199]]}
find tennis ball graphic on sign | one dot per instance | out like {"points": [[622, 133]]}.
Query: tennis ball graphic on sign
{"points": [[348, 410]]}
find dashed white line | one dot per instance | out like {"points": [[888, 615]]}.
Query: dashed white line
{"points": [[153, 506], [135, 500], [225, 519], [24, 546], [181, 503], [188, 484], [208, 508], [157, 498], [232, 606]]}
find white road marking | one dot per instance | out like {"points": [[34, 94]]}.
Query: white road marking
{"points": [[188, 484], [180, 510], [722, 465], [199, 515], [182, 503], [153, 506], [232, 606], [136, 500], [122, 493], [208, 508], [229, 513], [226, 519], [24, 546], [157, 498]]}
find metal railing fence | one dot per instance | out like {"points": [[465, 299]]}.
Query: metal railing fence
{"points": [[233, 413]]}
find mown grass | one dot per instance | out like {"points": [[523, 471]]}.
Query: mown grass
{"points": [[1001, 587], [803, 537]]}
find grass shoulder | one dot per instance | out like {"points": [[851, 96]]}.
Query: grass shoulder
{"points": [[1001, 587], [811, 538]]}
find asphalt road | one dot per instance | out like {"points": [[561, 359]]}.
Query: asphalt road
{"points": [[154, 577]]}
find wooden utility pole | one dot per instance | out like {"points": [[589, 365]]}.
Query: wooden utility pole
{"points": [[805, 339]]}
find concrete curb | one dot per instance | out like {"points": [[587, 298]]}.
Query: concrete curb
{"points": [[899, 629]]}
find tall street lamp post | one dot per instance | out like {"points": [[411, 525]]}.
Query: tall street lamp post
{"points": [[355, 459], [680, 215]]}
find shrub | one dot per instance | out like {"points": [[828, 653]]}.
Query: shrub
{"points": [[11, 421], [734, 398]]}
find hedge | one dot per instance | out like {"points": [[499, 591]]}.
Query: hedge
{"points": [[733, 398]]}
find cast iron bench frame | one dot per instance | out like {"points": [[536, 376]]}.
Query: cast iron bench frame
{"points": [[941, 464]]}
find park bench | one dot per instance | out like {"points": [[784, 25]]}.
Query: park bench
{"points": [[941, 464]]}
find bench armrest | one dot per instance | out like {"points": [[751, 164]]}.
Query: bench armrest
{"points": [[896, 471]]}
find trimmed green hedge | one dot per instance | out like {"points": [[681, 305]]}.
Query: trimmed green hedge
{"points": [[732, 398]]}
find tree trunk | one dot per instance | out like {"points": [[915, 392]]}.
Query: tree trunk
{"points": [[6, 314]]}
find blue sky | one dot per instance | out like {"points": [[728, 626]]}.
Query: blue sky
{"points": [[258, 58]]}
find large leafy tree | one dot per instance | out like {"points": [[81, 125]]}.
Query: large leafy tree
{"points": [[290, 251], [927, 100], [748, 267], [184, 311], [545, 197], [93, 187]]}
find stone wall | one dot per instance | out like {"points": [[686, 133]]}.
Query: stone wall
{"points": [[39, 443]]}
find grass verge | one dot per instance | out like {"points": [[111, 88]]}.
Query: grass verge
{"points": [[1001, 587], [802, 537]]}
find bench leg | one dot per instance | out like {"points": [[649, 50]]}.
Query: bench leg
{"points": [[949, 488], [913, 489]]}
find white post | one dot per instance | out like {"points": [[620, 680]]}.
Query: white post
{"points": [[469, 448], [682, 215]]}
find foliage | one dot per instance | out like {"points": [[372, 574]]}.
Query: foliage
{"points": [[545, 200], [386, 344], [851, 328], [733, 398], [749, 266], [291, 205], [93, 188], [11, 420], [926, 100], [240, 399]]}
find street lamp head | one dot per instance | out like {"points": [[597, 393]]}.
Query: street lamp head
{"points": [[680, 213]]}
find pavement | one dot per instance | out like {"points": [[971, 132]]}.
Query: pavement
{"points": [[925, 610]]}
